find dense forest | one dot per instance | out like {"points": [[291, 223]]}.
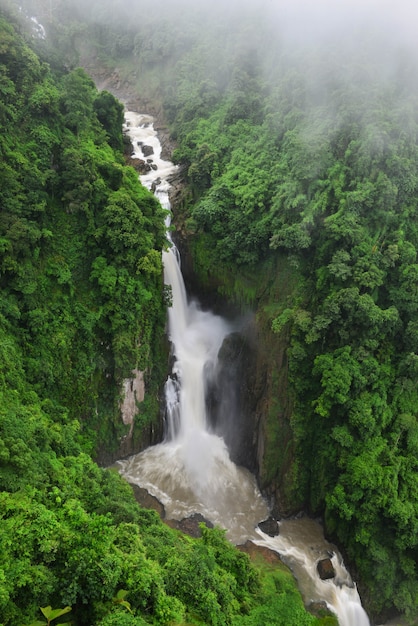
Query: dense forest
{"points": [[82, 304], [301, 164]]}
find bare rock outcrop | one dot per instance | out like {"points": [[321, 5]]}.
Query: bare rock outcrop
{"points": [[133, 392], [254, 551], [190, 525]]}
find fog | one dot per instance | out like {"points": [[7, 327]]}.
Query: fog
{"points": [[351, 42], [309, 18], [314, 19], [388, 21], [381, 25], [381, 30]]}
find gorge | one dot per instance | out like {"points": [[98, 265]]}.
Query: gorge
{"points": [[190, 472], [295, 134]]}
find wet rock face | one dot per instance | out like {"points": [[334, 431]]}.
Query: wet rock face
{"points": [[146, 500], [319, 609], [325, 569], [147, 150], [254, 551], [229, 399], [138, 164], [269, 526]]}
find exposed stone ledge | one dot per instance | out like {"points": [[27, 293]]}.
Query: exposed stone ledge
{"points": [[133, 392]]}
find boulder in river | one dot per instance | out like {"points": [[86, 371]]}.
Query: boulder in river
{"points": [[255, 551], [325, 569], [147, 151], [138, 164], [270, 526], [148, 501]]}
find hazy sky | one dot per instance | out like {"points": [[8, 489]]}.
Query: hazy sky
{"points": [[321, 16], [397, 19], [389, 25], [307, 18]]}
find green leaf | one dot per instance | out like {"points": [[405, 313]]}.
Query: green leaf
{"points": [[120, 599], [51, 613]]}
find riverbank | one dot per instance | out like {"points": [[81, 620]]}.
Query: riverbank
{"points": [[111, 80]]}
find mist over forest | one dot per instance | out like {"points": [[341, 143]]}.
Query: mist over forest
{"points": [[294, 125]]}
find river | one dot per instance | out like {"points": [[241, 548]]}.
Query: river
{"points": [[191, 471]]}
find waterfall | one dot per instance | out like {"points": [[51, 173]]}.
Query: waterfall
{"points": [[190, 471]]}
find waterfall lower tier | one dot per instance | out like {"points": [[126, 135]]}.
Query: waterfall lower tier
{"points": [[194, 474], [191, 471], [196, 337]]}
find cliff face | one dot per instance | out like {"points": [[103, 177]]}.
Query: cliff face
{"points": [[271, 418], [260, 436], [254, 411]]}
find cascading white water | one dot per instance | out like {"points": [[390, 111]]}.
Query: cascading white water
{"points": [[191, 472], [301, 545]]}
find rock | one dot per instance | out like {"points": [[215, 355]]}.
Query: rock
{"points": [[325, 569], [155, 184], [147, 501], [269, 526], [138, 164], [228, 395], [132, 394], [254, 551], [319, 609], [147, 151], [190, 525]]}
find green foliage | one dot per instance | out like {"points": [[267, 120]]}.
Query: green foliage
{"points": [[50, 614], [110, 114], [82, 305], [278, 602], [62, 188], [120, 599], [80, 536], [321, 172]]}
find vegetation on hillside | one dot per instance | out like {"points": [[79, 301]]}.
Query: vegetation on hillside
{"points": [[80, 240], [310, 156], [82, 304]]}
